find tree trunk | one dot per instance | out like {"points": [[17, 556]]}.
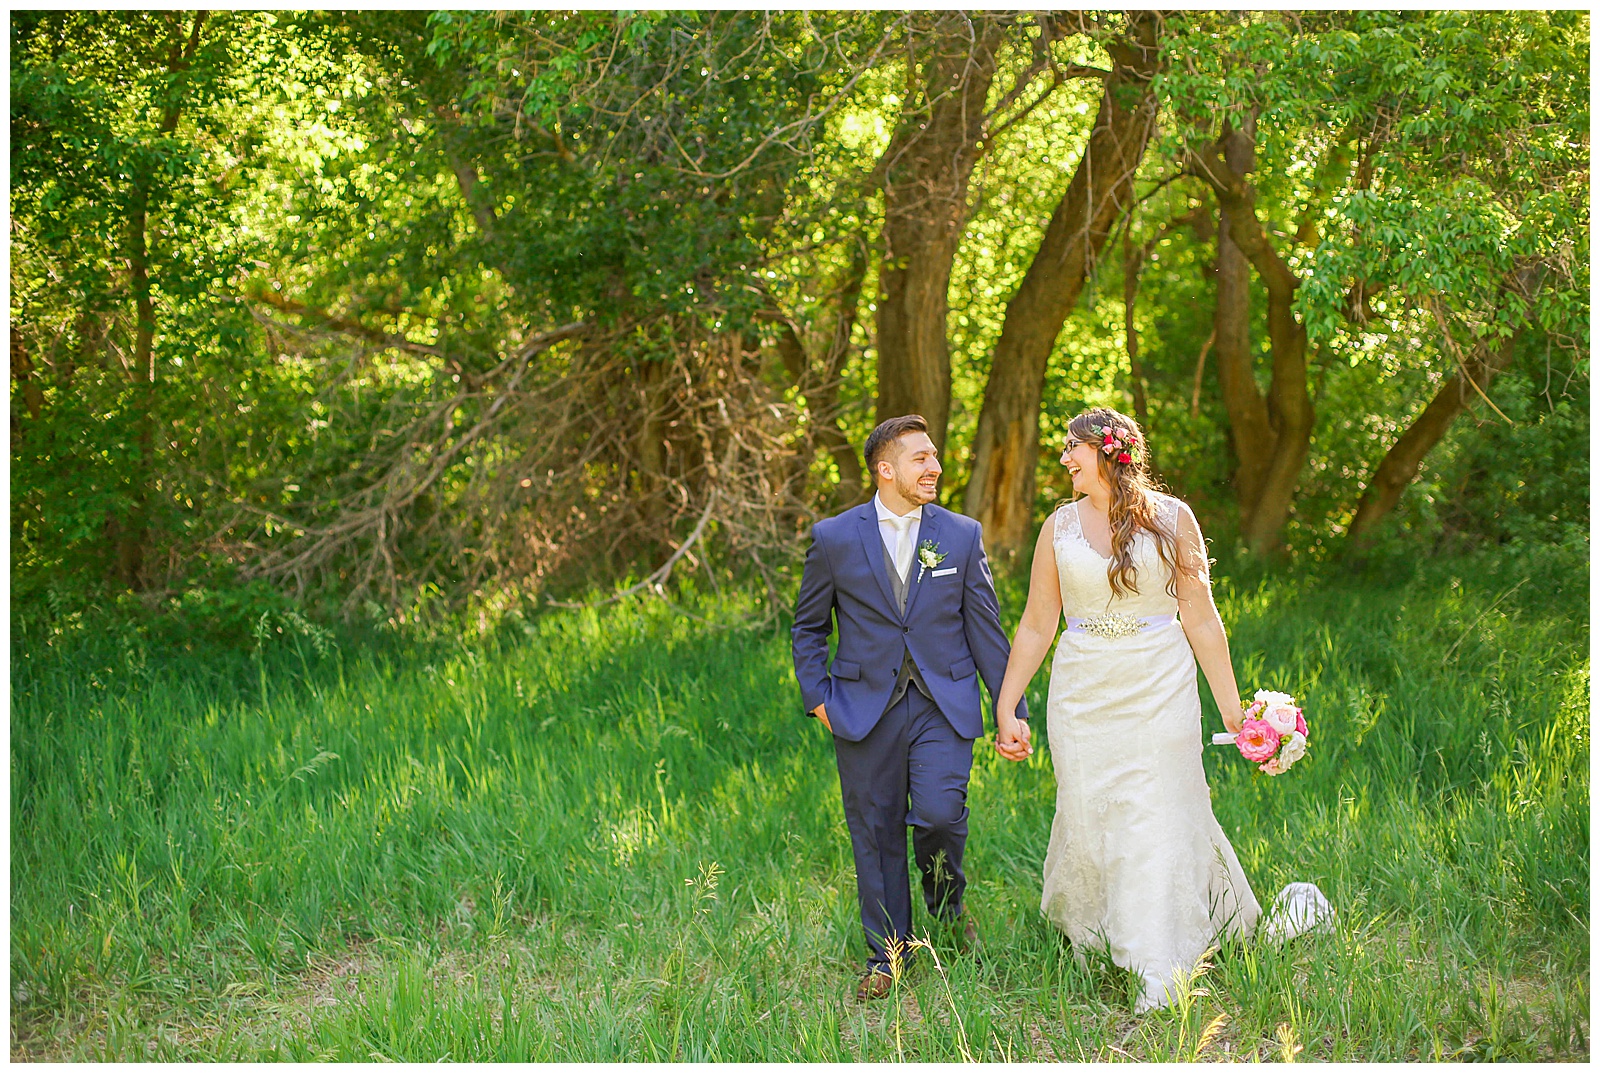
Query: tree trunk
{"points": [[924, 174], [1402, 461], [1273, 451], [1293, 417], [1131, 264], [1236, 379], [22, 373], [1006, 449], [129, 533]]}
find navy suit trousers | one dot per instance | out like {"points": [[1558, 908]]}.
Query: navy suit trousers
{"points": [[912, 768]]}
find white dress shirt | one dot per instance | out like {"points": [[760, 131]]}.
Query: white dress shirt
{"points": [[889, 531]]}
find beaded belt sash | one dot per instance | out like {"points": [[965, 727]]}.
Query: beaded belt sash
{"points": [[1114, 624]]}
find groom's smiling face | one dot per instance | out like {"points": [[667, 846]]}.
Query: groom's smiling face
{"points": [[911, 470]]}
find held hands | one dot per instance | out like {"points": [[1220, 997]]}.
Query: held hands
{"points": [[1012, 742]]}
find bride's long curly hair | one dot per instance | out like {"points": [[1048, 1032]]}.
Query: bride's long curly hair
{"points": [[1132, 499]]}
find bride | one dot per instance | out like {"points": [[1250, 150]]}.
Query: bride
{"points": [[1137, 862]]}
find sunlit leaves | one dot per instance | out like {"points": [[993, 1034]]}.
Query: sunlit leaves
{"points": [[1460, 166]]}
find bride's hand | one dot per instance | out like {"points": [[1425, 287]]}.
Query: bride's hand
{"points": [[1012, 741], [1232, 718]]}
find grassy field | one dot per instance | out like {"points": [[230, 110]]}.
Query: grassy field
{"points": [[611, 835]]}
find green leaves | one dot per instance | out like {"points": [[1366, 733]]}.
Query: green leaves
{"points": [[1459, 178], [355, 214], [137, 136]]}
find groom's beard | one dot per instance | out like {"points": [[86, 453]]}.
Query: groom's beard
{"points": [[911, 490]]}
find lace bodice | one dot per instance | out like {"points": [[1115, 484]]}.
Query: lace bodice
{"points": [[1085, 586]]}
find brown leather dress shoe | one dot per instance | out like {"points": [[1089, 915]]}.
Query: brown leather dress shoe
{"points": [[875, 984]]}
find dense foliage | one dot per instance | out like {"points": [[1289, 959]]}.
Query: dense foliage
{"points": [[395, 308]]}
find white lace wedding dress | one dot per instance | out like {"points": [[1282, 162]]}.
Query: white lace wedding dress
{"points": [[1137, 862]]}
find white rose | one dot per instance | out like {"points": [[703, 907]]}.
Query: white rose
{"points": [[1274, 699], [1281, 717], [1292, 749]]}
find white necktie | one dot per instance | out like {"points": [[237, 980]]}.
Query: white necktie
{"points": [[902, 545]]}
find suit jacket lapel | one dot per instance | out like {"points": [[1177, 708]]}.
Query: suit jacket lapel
{"points": [[872, 545], [929, 530]]}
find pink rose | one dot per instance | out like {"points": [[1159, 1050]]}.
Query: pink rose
{"points": [[1281, 716], [1257, 740], [1300, 723], [1272, 767], [1124, 458]]}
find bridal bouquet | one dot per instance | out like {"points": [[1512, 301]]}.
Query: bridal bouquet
{"points": [[1274, 733]]}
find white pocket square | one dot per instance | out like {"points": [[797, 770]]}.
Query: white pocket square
{"points": [[946, 570]]}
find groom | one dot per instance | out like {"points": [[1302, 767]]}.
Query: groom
{"points": [[909, 586]]}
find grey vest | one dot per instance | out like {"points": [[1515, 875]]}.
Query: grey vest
{"points": [[908, 666]]}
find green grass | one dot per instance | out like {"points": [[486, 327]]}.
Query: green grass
{"points": [[612, 836]]}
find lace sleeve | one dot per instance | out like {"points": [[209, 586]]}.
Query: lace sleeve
{"points": [[1167, 510], [1061, 522], [1170, 515]]}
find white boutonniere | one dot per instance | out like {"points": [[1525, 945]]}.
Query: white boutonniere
{"points": [[928, 556]]}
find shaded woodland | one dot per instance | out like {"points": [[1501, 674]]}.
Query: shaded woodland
{"points": [[390, 311]]}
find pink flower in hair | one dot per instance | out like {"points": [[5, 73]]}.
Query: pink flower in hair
{"points": [[1119, 443]]}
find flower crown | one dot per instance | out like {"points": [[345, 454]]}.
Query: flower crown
{"points": [[1120, 443]]}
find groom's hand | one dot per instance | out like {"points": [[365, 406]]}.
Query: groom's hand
{"points": [[1013, 741], [821, 712]]}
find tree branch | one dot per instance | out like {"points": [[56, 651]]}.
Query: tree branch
{"points": [[344, 325], [1432, 303], [657, 577]]}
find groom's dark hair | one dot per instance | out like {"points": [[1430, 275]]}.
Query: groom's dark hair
{"points": [[885, 434]]}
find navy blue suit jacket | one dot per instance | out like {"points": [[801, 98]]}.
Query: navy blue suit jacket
{"points": [[951, 623]]}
